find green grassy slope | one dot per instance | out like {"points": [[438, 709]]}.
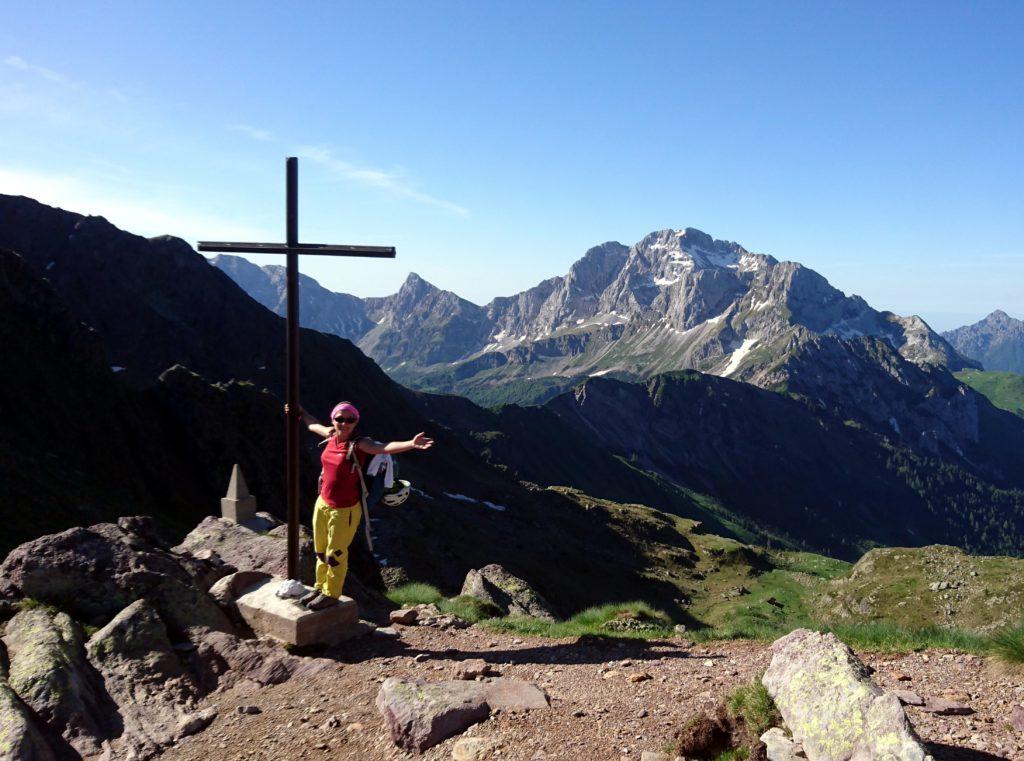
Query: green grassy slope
{"points": [[893, 598], [1004, 390]]}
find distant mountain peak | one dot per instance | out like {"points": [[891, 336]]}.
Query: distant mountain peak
{"points": [[997, 341], [415, 283]]}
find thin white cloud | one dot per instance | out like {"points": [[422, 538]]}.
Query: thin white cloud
{"points": [[390, 182], [263, 135], [15, 62], [166, 216]]}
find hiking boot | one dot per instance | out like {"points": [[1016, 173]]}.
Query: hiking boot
{"points": [[307, 598], [322, 601]]}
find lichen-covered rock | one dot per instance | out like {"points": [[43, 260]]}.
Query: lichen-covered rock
{"points": [[50, 673], [143, 674], [95, 572], [494, 584], [831, 706], [20, 738]]}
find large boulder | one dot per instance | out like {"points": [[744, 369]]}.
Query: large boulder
{"points": [[420, 714], [93, 573], [494, 584], [828, 701], [50, 673], [249, 550], [144, 675]]}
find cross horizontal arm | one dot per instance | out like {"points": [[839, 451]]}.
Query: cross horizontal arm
{"points": [[378, 252]]}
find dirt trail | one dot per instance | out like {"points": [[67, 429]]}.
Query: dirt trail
{"points": [[596, 713]]}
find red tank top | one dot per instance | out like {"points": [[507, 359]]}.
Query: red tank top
{"points": [[341, 481]]}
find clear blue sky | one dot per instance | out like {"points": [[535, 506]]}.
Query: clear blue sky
{"points": [[879, 143]]}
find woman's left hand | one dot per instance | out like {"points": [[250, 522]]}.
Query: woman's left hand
{"points": [[422, 441]]}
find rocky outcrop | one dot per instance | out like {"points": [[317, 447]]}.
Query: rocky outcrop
{"points": [[50, 673], [93, 573], [143, 674], [512, 595], [248, 550], [220, 660], [420, 714], [132, 689], [831, 706]]}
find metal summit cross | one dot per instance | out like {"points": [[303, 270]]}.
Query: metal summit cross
{"points": [[292, 248]]}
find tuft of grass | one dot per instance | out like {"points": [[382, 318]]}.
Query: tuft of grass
{"points": [[470, 608], [416, 593], [611, 620], [887, 637], [752, 703], [1008, 646]]}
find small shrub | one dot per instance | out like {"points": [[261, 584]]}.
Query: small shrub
{"points": [[471, 609], [1008, 646], [415, 593], [733, 754]]}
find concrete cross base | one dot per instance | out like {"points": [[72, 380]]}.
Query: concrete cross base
{"points": [[271, 616]]}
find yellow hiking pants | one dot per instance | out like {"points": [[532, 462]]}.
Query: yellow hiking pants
{"points": [[333, 531]]}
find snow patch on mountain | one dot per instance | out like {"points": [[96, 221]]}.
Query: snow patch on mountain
{"points": [[738, 356]]}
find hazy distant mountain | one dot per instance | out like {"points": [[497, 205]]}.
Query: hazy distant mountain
{"points": [[320, 309], [997, 342]]}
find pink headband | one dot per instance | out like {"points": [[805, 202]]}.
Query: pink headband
{"points": [[344, 407]]}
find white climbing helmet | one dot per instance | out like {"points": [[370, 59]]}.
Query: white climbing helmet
{"points": [[397, 494]]}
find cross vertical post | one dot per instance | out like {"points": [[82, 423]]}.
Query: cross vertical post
{"points": [[292, 248], [294, 418]]}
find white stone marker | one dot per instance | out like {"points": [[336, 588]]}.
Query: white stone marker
{"points": [[238, 505]]}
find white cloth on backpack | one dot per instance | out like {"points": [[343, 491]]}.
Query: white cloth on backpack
{"points": [[382, 461]]}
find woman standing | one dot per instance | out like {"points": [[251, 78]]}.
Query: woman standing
{"points": [[339, 506]]}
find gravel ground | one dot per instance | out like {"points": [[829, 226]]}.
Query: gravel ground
{"points": [[596, 712]]}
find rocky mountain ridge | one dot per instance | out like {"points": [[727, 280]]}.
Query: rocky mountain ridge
{"points": [[676, 300], [682, 281], [996, 341]]}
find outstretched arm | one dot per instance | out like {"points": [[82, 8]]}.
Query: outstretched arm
{"points": [[312, 423], [419, 441]]}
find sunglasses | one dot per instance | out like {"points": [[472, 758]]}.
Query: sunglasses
{"points": [[351, 420]]}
